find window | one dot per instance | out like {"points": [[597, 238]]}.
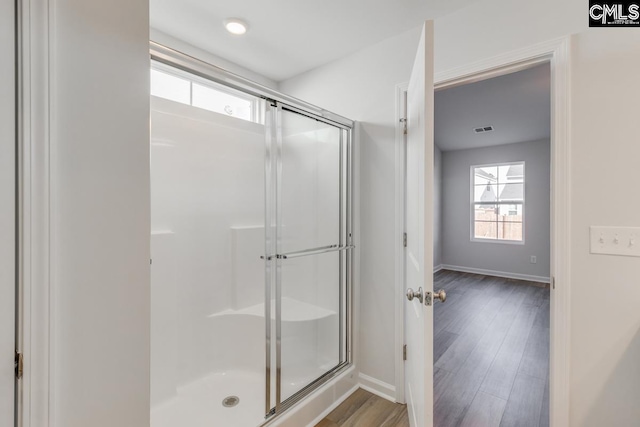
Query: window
{"points": [[179, 86], [497, 205]]}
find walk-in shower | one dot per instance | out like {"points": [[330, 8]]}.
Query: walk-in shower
{"points": [[251, 246]]}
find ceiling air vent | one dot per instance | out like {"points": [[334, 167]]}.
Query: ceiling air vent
{"points": [[483, 129]]}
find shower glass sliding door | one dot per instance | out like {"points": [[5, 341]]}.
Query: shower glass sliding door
{"points": [[311, 245]]}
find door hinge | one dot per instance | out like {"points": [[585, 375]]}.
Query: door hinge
{"points": [[404, 352], [404, 240], [19, 365], [404, 125], [553, 282]]}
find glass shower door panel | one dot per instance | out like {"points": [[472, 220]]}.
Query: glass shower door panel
{"points": [[310, 319], [310, 246], [309, 184]]}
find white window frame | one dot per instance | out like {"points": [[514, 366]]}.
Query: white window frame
{"points": [[473, 203], [257, 113]]}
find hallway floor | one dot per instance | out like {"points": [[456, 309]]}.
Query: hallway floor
{"points": [[491, 354]]}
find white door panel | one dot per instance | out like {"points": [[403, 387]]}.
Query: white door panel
{"points": [[419, 228]]}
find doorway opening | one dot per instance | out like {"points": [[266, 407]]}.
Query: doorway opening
{"points": [[492, 250]]}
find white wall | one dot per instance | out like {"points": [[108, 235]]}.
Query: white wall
{"points": [[362, 87], [437, 207], [491, 27], [7, 210], [457, 248], [605, 342], [100, 213]]}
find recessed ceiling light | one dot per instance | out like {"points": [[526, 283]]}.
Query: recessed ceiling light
{"points": [[236, 26]]}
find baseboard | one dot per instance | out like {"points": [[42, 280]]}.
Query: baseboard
{"points": [[377, 387], [505, 274], [437, 268], [334, 405]]}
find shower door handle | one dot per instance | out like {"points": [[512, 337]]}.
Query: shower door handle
{"points": [[315, 251]]}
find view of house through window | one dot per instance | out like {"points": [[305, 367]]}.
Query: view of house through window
{"points": [[497, 207], [186, 88]]}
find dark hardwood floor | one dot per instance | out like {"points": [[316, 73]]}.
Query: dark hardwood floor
{"points": [[491, 352], [491, 355]]}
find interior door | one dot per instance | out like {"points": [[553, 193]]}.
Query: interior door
{"points": [[419, 229], [7, 213]]}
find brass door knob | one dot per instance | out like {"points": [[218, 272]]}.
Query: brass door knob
{"points": [[411, 294], [441, 295]]}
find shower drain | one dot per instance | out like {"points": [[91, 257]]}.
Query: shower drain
{"points": [[230, 401]]}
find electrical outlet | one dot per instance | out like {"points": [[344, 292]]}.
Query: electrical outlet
{"points": [[534, 259], [615, 240]]}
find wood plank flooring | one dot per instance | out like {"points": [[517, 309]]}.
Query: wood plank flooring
{"points": [[491, 356], [494, 371], [364, 409]]}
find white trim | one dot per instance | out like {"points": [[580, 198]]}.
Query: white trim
{"points": [[355, 288], [498, 241], [8, 206], [505, 274], [557, 53], [502, 64], [560, 365], [36, 20], [401, 91], [437, 268], [377, 387]]}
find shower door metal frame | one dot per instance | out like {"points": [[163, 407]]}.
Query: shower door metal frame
{"points": [[190, 64], [345, 244]]}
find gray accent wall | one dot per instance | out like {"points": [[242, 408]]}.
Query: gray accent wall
{"points": [[437, 207], [458, 249]]}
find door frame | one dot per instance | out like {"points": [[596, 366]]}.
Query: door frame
{"points": [[36, 284], [556, 53], [8, 213]]}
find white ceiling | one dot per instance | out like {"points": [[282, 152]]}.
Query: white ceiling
{"points": [[288, 37], [517, 106]]}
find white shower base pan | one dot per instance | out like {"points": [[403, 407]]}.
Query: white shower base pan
{"points": [[199, 404]]}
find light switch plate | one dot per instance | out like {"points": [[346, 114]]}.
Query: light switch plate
{"points": [[623, 241]]}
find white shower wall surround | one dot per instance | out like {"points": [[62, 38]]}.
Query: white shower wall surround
{"points": [[208, 278]]}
